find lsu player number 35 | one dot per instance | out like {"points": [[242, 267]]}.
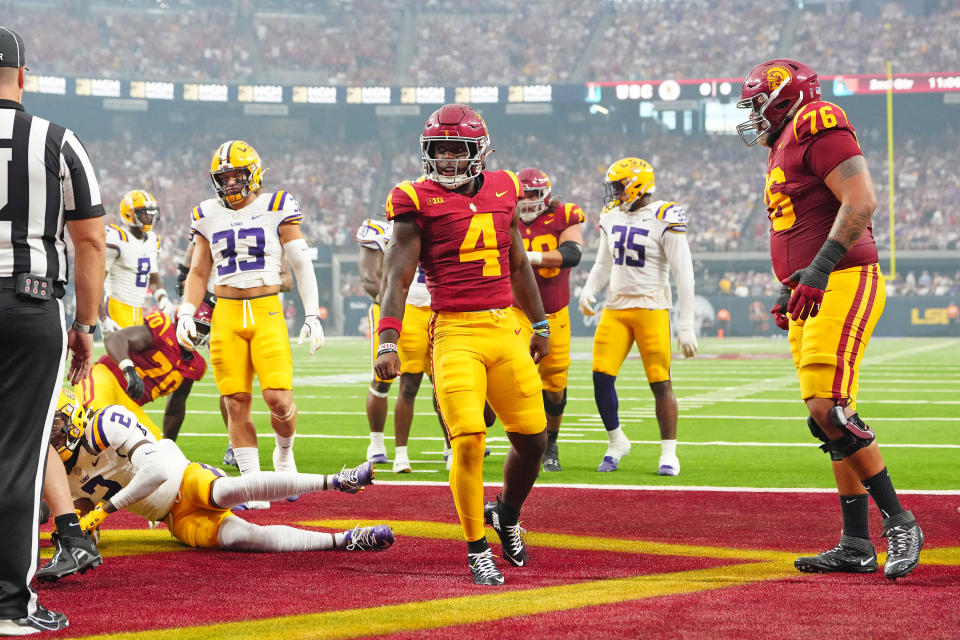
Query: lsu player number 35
{"points": [[132, 264], [820, 201]]}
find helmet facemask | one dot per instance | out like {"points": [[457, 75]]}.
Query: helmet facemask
{"points": [[145, 217], [758, 121], [69, 421], [533, 203], [233, 192], [472, 164]]}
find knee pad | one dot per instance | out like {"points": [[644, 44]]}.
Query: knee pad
{"points": [[554, 409], [857, 435]]}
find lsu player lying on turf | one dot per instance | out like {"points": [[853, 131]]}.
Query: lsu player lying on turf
{"points": [[117, 463], [820, 200], [552, 237], [133, 261], [643, 241], [144, 363], [243, 235]]}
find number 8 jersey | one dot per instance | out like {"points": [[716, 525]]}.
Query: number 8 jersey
{"points": [[245, 244], [130, 264]]}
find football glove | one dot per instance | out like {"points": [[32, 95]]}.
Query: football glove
{"points": [[809, 284], [779, 310], [108, 325], [314, 330], [186, 327], [587, 304], [164, 302], [134, 381], [182, 271], [93, 518], [687, 341]]}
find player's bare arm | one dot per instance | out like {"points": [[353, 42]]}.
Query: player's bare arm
{"points": [[556, 259], [201, 264], [371, 272], [132, 339], [400, 267], [526, 292], [176, 409], [852, 185]]}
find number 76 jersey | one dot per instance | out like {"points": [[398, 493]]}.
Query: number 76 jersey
{"points": [[639, 245], [245, 243]]}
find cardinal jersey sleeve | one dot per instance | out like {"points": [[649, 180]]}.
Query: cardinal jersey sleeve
{"points": [[403, 199], [826, 135], [573, 214]]}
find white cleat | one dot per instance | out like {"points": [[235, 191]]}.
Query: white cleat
{"points": [[401, 464], [669, 466], [611, 459], [376, 455]]}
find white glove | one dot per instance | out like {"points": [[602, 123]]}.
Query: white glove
{"points": [[108, 325], [314, 330], [687, 341], [186, 327], [587, 304], [164, 302], [535, 257]]}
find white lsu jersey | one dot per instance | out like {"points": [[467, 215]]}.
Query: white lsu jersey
{"points": [[129, 263], [374, 234], [245, 244], [112, 432], [641, 245]]}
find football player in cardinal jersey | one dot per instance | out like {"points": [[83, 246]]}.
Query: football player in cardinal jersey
{"points": [[244, 235], [820, 200], [115, 462], [460, 225], [642, 241], [133, 259], [551, 234]]}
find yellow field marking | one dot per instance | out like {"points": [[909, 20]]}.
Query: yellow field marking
{"points": [[129, 542], [445, 612]]}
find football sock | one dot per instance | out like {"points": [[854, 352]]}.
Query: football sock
{"points": [[606, 396], [668, 448], [880, 488], [283, 453], [68, 525], [248, 459], [401, 452], [266, 485], [616, 436], [510, 515], [376, 439], [856, 519], [466, 482], [552, 437], [237, 533], [478, 546]]}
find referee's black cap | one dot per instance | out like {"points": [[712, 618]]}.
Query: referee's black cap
{"points": [[11, 49]]}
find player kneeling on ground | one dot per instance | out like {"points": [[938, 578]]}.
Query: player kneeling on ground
{"points": [[122, 466]]}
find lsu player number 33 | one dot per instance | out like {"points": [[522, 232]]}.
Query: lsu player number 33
{"points": [[820, 201]]}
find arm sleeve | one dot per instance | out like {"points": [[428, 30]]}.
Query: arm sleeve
{"points": [[681, 265], [298, 256], [600, 273], [81, 191]]}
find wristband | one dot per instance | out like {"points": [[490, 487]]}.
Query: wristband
{"points": [[126, 362], [829, 255], [388, 322], [386, 347], [541, 328], [84, 328], [159, 293], [541, 323]]}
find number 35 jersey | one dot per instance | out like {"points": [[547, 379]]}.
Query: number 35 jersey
{"points": [[639, 244], [800, 206], [245, 244], [129, 264]]}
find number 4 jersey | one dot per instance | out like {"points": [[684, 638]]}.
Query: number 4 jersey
{"points": [[245, 243], [801, 207], [129, 264]]}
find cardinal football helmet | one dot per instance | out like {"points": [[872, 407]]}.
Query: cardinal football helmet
{"points": [[139, 210], [536, 193], [774, 91], [202, 319], [231, 156], [455, 123], [69, 421], [626, 181]]}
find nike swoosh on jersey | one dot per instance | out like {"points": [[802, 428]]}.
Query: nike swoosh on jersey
{"points": [[273, 313], [95, 462], [516, 331], [500, 193]]}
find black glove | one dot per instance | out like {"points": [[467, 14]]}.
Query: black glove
{"points": [[182, 271], [134, 383], [779, 310]]}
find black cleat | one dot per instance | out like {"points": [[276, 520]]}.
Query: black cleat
{"points": [[73, 555], [40, 620], [511, 535], [904, 541], [551, 458], [851, 555], [484, 569]]}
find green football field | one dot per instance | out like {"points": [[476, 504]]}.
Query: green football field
{"points": [[741, 421]]}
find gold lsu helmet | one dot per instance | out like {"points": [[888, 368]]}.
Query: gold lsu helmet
{"points": [[626, 181], [139, 210], [69, 421], [231, 156]]}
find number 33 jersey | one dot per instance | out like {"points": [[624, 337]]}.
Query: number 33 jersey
{"points": [[129, 264], [245, 244], [639, 245]]}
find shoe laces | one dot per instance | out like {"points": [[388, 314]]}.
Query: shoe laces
{"points": [[515, 534], [348, 480], [900, 540], [361, 539], [483, 565]]}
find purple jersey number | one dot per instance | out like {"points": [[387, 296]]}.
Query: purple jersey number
{"points": [[143, 271], [626, 241], [229, 251]]}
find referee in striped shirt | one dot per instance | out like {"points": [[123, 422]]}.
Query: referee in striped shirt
{"points": [[46, 183]]}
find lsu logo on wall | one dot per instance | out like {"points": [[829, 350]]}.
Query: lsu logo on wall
{"points": [[776, 76], [931, 315]]}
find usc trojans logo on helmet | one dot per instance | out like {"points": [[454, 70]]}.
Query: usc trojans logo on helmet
{"points": [[235, 171], [139, 210], [776, 76], [774, 91]]}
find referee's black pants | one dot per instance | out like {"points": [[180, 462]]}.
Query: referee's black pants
{"points": [[32, 351]]}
